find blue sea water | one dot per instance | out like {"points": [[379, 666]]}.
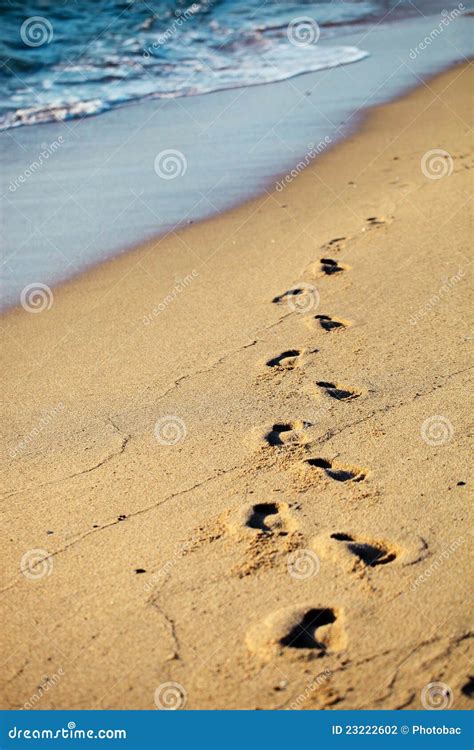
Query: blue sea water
{"points": [[65, 59]]}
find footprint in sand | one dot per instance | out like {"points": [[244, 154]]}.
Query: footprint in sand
{"points": [[263, 519], [369, 552], [289, 295], [284, 433], [287, 360], [468, 687], [374, 221], [330, 267], [301, 298], [338, 391], [269, 518], [329, 324], [340, 473], [306, 631], [270, 533], [359, 551]]}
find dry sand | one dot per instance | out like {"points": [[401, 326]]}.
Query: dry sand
{"points": [[256, 527]]}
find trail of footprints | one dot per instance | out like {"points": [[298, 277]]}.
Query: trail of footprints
{"points": [[270, 528], [310, 629]]}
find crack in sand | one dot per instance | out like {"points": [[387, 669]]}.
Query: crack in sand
{"points": [[139, 512], [220, 360], [389, 407], [105, 460], [194, 374], [171, 629], [391, 686]]}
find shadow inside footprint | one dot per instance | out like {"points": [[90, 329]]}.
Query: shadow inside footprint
{"points": [[273, 437], [340, 475], [468, 688], [285, 433], [329, 266], [370, 553], [335, 241], [337, 392], [285, 359], [329, 324], [303, 634], [288, 294], [265, 517], [375, 221]]}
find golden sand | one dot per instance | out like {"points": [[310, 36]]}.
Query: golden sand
{"points": [[259, 496]]}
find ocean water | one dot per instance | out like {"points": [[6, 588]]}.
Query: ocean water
{"points": [[66, 59]]}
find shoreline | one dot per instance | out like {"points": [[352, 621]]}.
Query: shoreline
{"points": [[193, 455], [112, 196], [272, 185]]}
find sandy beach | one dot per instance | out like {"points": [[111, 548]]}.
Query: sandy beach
{"points": [[237, 456]]}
